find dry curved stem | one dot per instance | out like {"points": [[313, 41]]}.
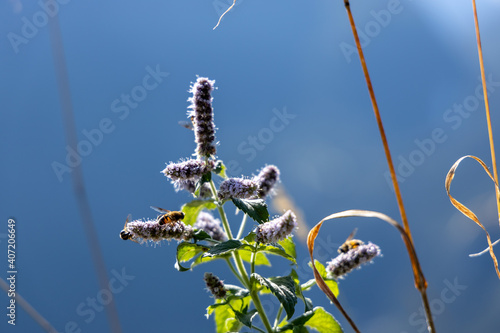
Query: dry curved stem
{"points": [[466, 211], [486, 105], [485, 250], [413, 257], [395, 184], [227, 11]]}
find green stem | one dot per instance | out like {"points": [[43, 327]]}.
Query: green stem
{"points": [[242, 226], [235, 272], [277, 320], [240, 270]]}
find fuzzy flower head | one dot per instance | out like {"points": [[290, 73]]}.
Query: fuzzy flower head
{"points": [[187, 170], [266, 180], [215, 285], [190, 186], [354, 258], [238, 188], [277, 229], [149, 230], [202, 116], [211, 226]]}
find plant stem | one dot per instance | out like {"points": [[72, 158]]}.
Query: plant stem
{"points": [[235, 272], [487, 105], [420, 282], [242, 226], [277, 320], [240, 270]]}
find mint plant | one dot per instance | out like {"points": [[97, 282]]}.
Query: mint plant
{"points": [[203, 237]]}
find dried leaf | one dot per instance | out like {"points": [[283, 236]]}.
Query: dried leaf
{"points": [[466, 211]]}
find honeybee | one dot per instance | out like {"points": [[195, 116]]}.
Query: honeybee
{"points": [[125, 234], [350, 243], [187, 124], [168, 216]]}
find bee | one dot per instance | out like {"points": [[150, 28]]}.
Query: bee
{"points": [[350, 243], [125, 234], [187, 124], [168, 216]]}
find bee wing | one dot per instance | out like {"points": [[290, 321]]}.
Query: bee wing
{"points": [[187, 124], [160, 210], [129, 217], [351, 236]]}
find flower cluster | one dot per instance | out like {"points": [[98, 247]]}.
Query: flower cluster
{"points": [[202, 116], [190, 186], [187, 170], [346, 262], [277, 229], [239, 188], [266, 180], [150, 230], [215, 285], [211, 226]]}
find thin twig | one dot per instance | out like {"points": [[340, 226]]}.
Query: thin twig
{"points": [[77, 174], [420, 282], [487, 105], [29, 309]]}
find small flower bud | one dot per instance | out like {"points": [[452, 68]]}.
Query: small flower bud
{"points": [[211, 226], [187, 170], [238, 188], [339, 266], [203, 117], [215, 285], [266, 180], [277, 229], [151, 230]]}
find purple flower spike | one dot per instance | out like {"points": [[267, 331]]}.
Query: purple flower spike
{"points": [[215, 285], [354, 258], [203, 117], [238, 188], [277, 229], [266, 179], [187, 170], [211, 226], [150, 230]]}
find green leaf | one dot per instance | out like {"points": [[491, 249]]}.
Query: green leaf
{"points": [[246, 317], [223, 248], [332, 284], [323, 322], [187, 251], [276, 251], [193, 208], [317, 319], [236, 291], [255, 208], [206, 178], [297, 322], [260, 259], [200, 235], [289, 246], [283, 288], [220, 169], [298, 291], [225, 318]]}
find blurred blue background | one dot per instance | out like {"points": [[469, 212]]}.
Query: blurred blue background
{"points": [[267, 58]]}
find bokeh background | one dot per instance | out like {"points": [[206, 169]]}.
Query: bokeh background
{"points": [[267, 58]]}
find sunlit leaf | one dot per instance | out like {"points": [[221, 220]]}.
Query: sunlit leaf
{"points": [[193, 208], [283, 288], [255, 208], [187, 251]]}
